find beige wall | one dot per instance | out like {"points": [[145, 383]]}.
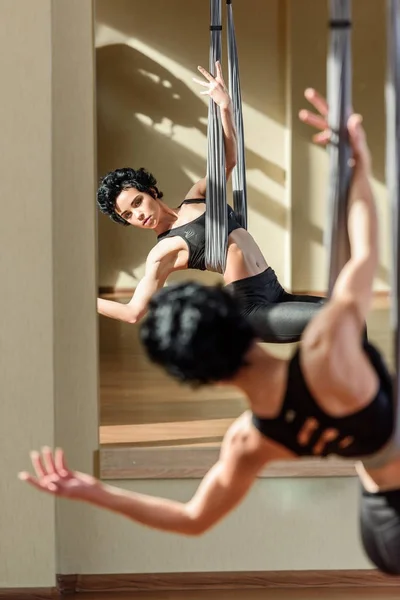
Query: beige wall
{"points": [[48, 338], [74, 257], [27, 528]]}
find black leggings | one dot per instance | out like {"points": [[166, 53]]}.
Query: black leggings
{"points": [[276, 316], [380, 529]]}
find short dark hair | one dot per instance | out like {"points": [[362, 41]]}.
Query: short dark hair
{"points": [[112, 184], [196, 333]]}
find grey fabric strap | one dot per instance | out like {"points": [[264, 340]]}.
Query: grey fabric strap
{"points": [[339, 100], [239, 172], [392, 150], [216, 213]]}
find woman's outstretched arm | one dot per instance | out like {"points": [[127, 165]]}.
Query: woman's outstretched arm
{"points": [[163, 259]]}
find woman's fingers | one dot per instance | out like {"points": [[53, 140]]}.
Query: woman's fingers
{"points": [[50, 467], [318, 101], [200, 82], [206, 74], [60, 463], [219, 70], [25, 476], [50, 486], [314, 120], [48, 460], [37, 464], [322, 138], [358, 140]]}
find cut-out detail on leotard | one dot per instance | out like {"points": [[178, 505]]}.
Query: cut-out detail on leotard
{"points": [[305, 429]]}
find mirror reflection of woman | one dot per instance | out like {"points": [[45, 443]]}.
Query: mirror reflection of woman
{"points": [[132, 197]]}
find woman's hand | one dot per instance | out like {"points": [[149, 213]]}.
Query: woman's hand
{"points": [[319, 121], [54, 477], [357, 135], [215, 86]]}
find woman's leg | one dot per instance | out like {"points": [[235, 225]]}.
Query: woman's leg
{"points": [[380, 529], [269, 289], [283, 322], [287, 297]]}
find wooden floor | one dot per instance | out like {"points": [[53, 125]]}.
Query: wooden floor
{"points": [[299, 594], [141, 406]]}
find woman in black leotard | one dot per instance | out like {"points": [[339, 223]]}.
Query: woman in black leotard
{"points": [[132, 197], [334, 396]]}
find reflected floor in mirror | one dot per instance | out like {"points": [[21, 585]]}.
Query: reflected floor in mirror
{"points": [[141, 406]]}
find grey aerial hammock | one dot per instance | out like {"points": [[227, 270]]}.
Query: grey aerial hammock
{"points": [[393, 179], [276, 315], [216, 213], [339, 102]]}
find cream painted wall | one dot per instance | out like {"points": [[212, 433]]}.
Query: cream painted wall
{"points": [[27, 523], [74, 257], [284, 524], [48, 339]]}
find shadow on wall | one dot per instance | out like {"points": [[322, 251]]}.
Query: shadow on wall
{"points": [[134, 96], [140, 106], [180, 30]]}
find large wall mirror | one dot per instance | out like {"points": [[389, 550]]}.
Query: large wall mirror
{"points": [[150, 114]]}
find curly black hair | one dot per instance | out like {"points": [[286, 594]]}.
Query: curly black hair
{"points": [[196, 333], [112, 184]]}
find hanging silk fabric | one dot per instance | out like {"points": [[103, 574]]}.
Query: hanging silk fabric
{"points": [[339, 100], [239, 172], [393, 181], [216, 212]]}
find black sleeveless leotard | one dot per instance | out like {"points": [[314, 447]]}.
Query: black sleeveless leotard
{"points": [[358, 435], [194, 234]]}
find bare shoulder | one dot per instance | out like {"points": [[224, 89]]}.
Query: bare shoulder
{"points": [[243, 441], [338, 320], [333, 359], [172, 250], [198, 190], [166, 247]]}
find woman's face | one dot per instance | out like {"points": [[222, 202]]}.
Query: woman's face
{"points": [[138, 208]]}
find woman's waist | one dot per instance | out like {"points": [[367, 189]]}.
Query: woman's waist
{"points": [[256, 288], [242, 264]]}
